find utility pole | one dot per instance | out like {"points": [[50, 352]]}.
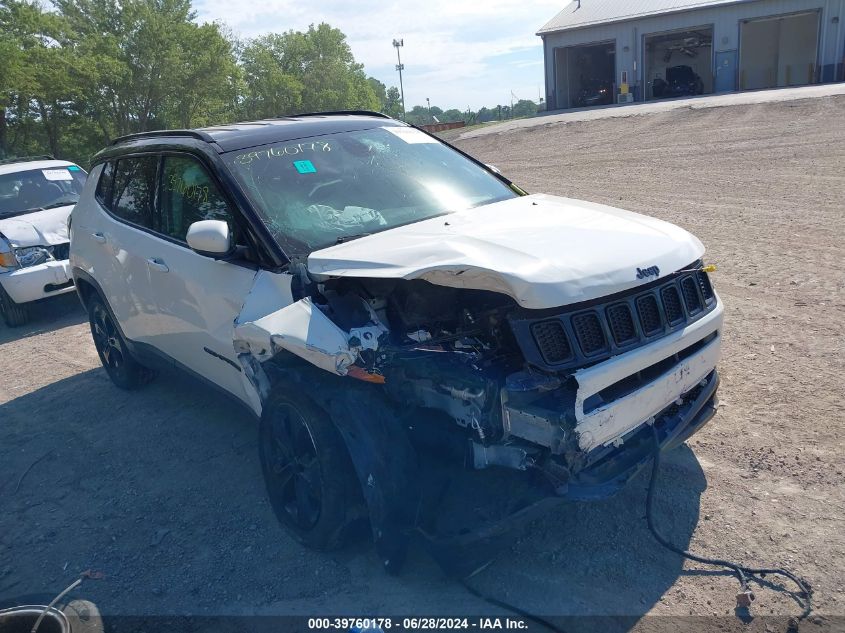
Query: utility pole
{"points": [[400, 67]]}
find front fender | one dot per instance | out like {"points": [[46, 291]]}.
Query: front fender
{"points": [[374, 431]]}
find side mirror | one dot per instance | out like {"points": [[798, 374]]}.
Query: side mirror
{"points": [[210, 238], [493, 168]]}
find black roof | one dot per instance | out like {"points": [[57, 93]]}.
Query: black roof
{"points": [[237, 136]]}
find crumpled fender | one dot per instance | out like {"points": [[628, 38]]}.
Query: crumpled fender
{"points": [[384, 459]]}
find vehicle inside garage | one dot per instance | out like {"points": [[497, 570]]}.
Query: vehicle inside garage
{"points": [[586, 75], [779, 51], [679, 64]]}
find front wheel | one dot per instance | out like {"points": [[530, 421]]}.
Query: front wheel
{"points": [[14, 314], [311, 483], [122, 368]]}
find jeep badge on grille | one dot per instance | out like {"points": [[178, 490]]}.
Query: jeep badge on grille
{"points": [[644, 273]]}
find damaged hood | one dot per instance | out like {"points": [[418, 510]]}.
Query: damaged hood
{"points": [[543, 251], [39, 228]]}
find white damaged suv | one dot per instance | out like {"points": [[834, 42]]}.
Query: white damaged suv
{"points": [[36, 198], [405, 322]]}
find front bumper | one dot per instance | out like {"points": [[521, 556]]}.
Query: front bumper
{"points": [[37, 282], [609, 470]]}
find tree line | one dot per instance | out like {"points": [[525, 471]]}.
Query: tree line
{"points": [[83, 72], [76, 74]]}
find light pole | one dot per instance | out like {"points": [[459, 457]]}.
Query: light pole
{"points": [[400, 67], [428, 101]]}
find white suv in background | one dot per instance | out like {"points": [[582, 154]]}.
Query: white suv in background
{"points": [[406, 322], [36, 198]]}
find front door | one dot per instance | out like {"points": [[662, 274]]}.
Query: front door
{"points": [[198, 298]]}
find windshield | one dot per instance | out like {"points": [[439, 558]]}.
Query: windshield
{"points": [[35, 189], [320, 191]]}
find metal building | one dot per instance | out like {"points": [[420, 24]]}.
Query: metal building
{"points": [[607, 51]]}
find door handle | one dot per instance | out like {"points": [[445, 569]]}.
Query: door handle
{"points": [[99, 237], [157, 265]]}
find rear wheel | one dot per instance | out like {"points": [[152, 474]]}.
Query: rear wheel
{"points": [[14, 314], [122, 368], [311, 483]]}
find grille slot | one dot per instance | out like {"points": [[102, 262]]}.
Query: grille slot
{"points": [[649, 315], [704, 285], [589, 332], [672, 305], [621, 324], [552, 340], [691, 298]]}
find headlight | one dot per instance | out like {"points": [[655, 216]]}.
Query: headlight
{"points": [[7, 254], [7, 260], [32, 256]]}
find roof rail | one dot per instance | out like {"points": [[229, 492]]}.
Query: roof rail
{"points": [[25, 159], [381, 115], [203, 136]]}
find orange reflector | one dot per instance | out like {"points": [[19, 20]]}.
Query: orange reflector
{"points": [[361, 374]]}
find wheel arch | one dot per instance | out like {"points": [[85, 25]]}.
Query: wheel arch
{"points": [[374, 432], [86, 286]]}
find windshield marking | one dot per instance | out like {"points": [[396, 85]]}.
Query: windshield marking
{"points": [[286, 150]]}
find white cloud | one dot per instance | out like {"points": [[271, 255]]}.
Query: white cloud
{"points": [[457, 52]]}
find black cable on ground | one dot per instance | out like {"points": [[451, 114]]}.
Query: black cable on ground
{"points": [[743, 573], [510, 607]]}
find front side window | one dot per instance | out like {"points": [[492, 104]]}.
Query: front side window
{"points": [[133, 191], [36, 189], [188, 194], [315, 192]]}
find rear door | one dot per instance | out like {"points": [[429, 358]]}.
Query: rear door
{"points": [[114, 237], [197, 297]]}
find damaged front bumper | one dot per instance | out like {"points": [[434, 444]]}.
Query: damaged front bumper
{"points": [[24, 285], [608, 470]]}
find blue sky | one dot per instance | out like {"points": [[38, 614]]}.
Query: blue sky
{"points": [[459, 53]]}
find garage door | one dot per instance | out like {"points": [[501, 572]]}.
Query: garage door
{"points": [[585, 75], [679, 64], [779, 51]]}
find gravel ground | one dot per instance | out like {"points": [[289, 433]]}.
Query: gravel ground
{"points": [[161, 489]]}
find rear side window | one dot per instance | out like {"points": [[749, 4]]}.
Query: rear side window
{"points": [[188, 194], [104, 185], [133, 194]]}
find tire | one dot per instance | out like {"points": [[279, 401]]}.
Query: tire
{"points": [[14, 314], [122, 368], [310, 480]]}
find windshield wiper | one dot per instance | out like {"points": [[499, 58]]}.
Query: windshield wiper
{"points": [[349, 238], [55, 205]]}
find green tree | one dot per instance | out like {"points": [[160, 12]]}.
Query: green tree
{"points": [[524, 107], [452, 115], [271, 88], [156, 67], [41, 77], [393, 103], [380, 91], [311, 71]]}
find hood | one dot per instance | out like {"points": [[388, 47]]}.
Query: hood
{"points": [[40, 228], [543, 251]]}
